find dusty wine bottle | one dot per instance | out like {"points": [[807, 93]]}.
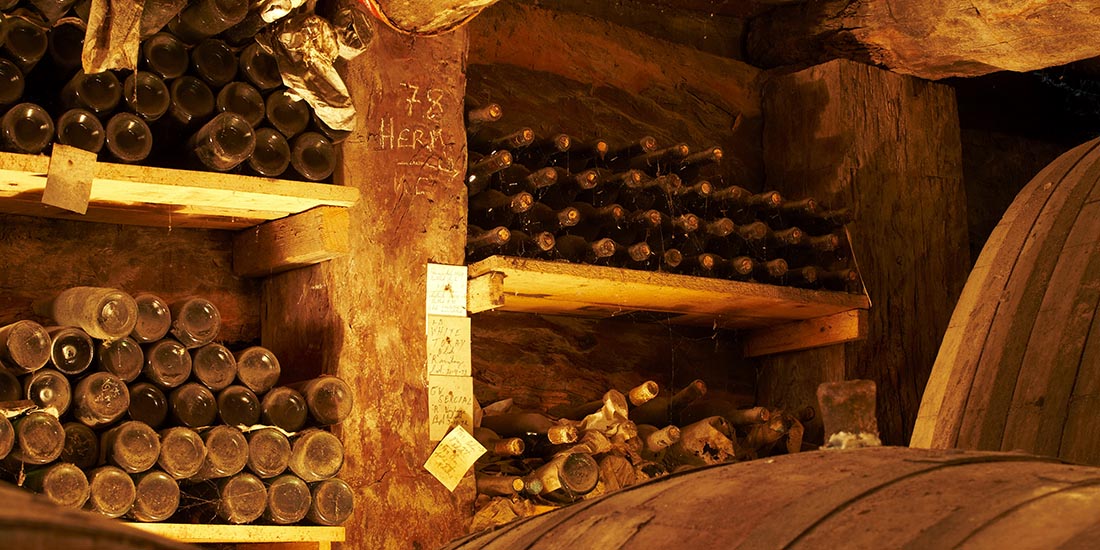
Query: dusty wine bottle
{"points": [[288, 500], [7, 436], [111, 491], [484, 242], [24, 346], [146, 95], [65, 42], [329, 398], [567, 477], [148, 404], [512, 141], [575, 248], [476, 116], [258, 368], [661, 159], [770, 271], [214, 62], [287, 112], [665, 409], [153, 318], [167, 363], [104, 313], [128, 138], [122, 358], [182, 452], [81, 129], [496, 445], [96, 92], [100, 398], [71, 349], [587, 155], [26, 128], [316, 455], [238, 406], [785, 237], [226, 453], [708, 441], [268, 452], [845, 280], [537, 245], [214, 366], [165, 55], [805, 276], [191, 100], [25, 42], [12, 83], [520, 423], [39, 438], [132, 446], [480, 170], [260, 67], [312, 156], [205, 18], [541, 217], [49, 390], [223, 142], [284, 408], [597, 221], [61, 484], [545, 152], [271, 157], [649, 192], [332, 503], [81, 446], [195, 321], [738, 268], [498, 485], [157, 496], [492, 208], [193, 405], [516, 178]]}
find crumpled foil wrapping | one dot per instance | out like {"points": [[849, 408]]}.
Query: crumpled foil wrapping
{"points": [[306, 48], [114, 35]]}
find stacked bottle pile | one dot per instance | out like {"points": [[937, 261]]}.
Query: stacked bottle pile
{"points": [[128, 407], [537, 460], [641, 206], [206, 95]]}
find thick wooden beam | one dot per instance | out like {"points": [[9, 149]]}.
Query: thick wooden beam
{"points": [[426, 16], [839, 328], [887, 146], [362, 316], [304, 239], [932, 39]]}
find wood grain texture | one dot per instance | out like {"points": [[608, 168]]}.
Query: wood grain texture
{"points": [[363, 317], [933, 39], [827, 330], [562, 288], [887, 146], [311, 237], [189, 532], [1019, 365], [44, 256], [163, 197], [608, 81]]}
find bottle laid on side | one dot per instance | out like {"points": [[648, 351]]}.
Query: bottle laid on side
{"points": [[122, 358], [575, 248], [214, 62], [25, 42], [71, 349], [191, 101], [269, 452], [260, 68], [153, 318], [111, 491], [104, 313], [25, 346], [195, 322], [288, 500], [537, 245], [481, 243], [182, 452], [204, 18], [65, 42], [567, 477], [224, 142], [81, 446], [49, 390], [226, 453], [258, 368], [193, 405], [39, 438], [12, 83], [26, 128], [61, 484], [81, 129], [167, 363], [157, 497], [146, 95], [619, 157], [492, 208], [241, 498], [285, 408], [312, 156], [238, 406], [332, 503], [96, 92], [164, 55], [550, 151], [214, 366], [476, 116], [132, 446], [316, 455], [148, 404], [480, 170], [100, 399], [286, 112], [329, 398], [271, 157]]}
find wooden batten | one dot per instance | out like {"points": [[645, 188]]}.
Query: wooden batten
{"points": [[304, 239], [847, 326], [164, 197], [288, 536]]}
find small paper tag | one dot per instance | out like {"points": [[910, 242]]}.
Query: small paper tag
{"points": [[450, 403], [446, 290], [453, 457], [69, 178], [448, 345]]}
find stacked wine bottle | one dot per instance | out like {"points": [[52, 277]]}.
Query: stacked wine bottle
{"points": [[129, 407], [199, 99], [641, 206], [540, 460]]}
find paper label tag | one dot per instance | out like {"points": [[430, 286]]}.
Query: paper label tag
{"points": [[448, 345], [446, 290], [450, 403], [453, 457], [69, 179]]}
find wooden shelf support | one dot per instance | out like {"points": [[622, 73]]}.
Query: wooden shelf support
{"points": [[308, 238], [283, 537], [485, 292], [846, 326]]}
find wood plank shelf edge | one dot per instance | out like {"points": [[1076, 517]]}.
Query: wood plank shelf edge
{"points": [[197, 533], [165, 197], [557, 288]]}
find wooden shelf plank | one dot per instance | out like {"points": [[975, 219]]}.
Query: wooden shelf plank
{"points": [[280, 245], [538, 286], [196, 533], [846, 326], [164, 197]]}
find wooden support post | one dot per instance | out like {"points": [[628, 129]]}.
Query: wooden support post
{"points": [[362, 316], [887, 146], [485, 292], [304, 239], [839, 328]]}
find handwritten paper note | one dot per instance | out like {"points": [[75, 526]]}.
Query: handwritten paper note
{"points": [[69, 178], [448, 345], [450, 404], [453, 457], [446, 290]]}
